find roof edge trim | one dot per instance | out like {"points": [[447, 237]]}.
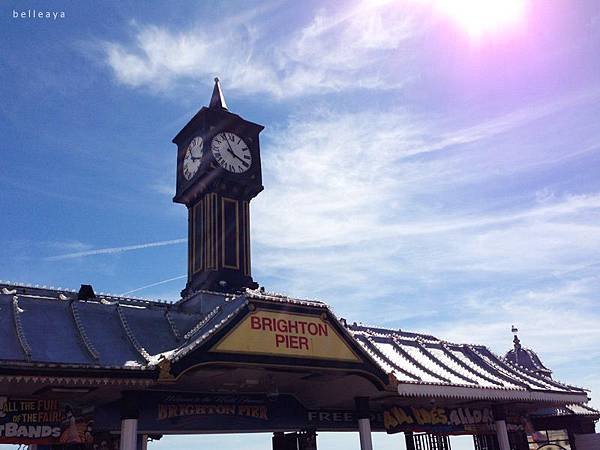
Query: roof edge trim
{"points": [[419, 390]]}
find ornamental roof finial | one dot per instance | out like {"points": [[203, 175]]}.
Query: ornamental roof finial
{"points": [[217, 100], [516, 340]]}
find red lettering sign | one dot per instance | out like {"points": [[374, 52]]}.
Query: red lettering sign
{"points": [[289, 333]]}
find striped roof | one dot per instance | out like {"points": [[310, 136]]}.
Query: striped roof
{"points": [[569, 410], [49, 328], [455, 370]]}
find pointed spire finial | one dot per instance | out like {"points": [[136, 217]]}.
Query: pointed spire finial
{"points": [[217, 100]]}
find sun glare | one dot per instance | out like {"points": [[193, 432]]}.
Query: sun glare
{"points": [[480, 17]]}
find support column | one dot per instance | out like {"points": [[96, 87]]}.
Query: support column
{"points": [[128, 434], [364, 422], [501, 431], [129, 421], [409, 440]]}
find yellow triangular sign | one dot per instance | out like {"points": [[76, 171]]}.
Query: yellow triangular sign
{"points": [[286, 334]]}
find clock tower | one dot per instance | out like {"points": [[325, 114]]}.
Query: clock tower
{"points": [[218, 173]]}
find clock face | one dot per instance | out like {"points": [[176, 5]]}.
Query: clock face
{"points": [[231, 152], [193, 157]]}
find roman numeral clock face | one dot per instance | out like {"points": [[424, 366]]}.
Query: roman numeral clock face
{"points": [[193, 157], [231, 152]]}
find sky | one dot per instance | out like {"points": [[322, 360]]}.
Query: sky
{"points": [[429, 165]]}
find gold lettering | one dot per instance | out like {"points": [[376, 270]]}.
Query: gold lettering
{"points": [[426, 416], [263, 413], [417, 415], [441, 416], [401, 416], [162, 412], [389, 422]]}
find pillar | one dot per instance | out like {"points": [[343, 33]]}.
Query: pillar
{"points": [[129, 421], [285, 441], [501, 431], [364, 423], [577, 426], [409, 440], [128, 434], [572, 442]]}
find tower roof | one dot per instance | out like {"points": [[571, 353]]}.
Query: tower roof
{"points": [[217, 100], [527, 358]]}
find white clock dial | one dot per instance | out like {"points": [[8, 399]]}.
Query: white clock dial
{"points": [[231, 152], [193, 157]]}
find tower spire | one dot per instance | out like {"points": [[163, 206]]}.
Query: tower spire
{"points": [[218, 174], [217, 100]]}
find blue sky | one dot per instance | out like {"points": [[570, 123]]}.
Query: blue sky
{"points": [[421, 172]]}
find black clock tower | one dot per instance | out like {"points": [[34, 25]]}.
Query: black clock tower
{"points": [[218, 173]]}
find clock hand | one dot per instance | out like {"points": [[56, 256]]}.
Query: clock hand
{"points": [[230, 150]]}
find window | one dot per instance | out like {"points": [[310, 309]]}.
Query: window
{"points": [[549, 440]]}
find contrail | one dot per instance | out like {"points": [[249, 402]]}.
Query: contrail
{"points": [[102, 251], [153, 284]]}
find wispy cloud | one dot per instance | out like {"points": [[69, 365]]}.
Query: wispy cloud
{"points": [[557, 317], [424, 216], [358, 215], [114, 250], [333, 52], [354, 179], [514, 119]]}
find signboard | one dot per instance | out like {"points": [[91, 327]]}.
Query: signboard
{"points": [[28, 421], [168, 412], [286, 334], [439, 420], [179, 412], [172, 412]]}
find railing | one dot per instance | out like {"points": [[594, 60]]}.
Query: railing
{"points": [[425, 441]]}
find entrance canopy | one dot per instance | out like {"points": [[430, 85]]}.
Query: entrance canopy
{"points": [[254, 357], [65, 335]]}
